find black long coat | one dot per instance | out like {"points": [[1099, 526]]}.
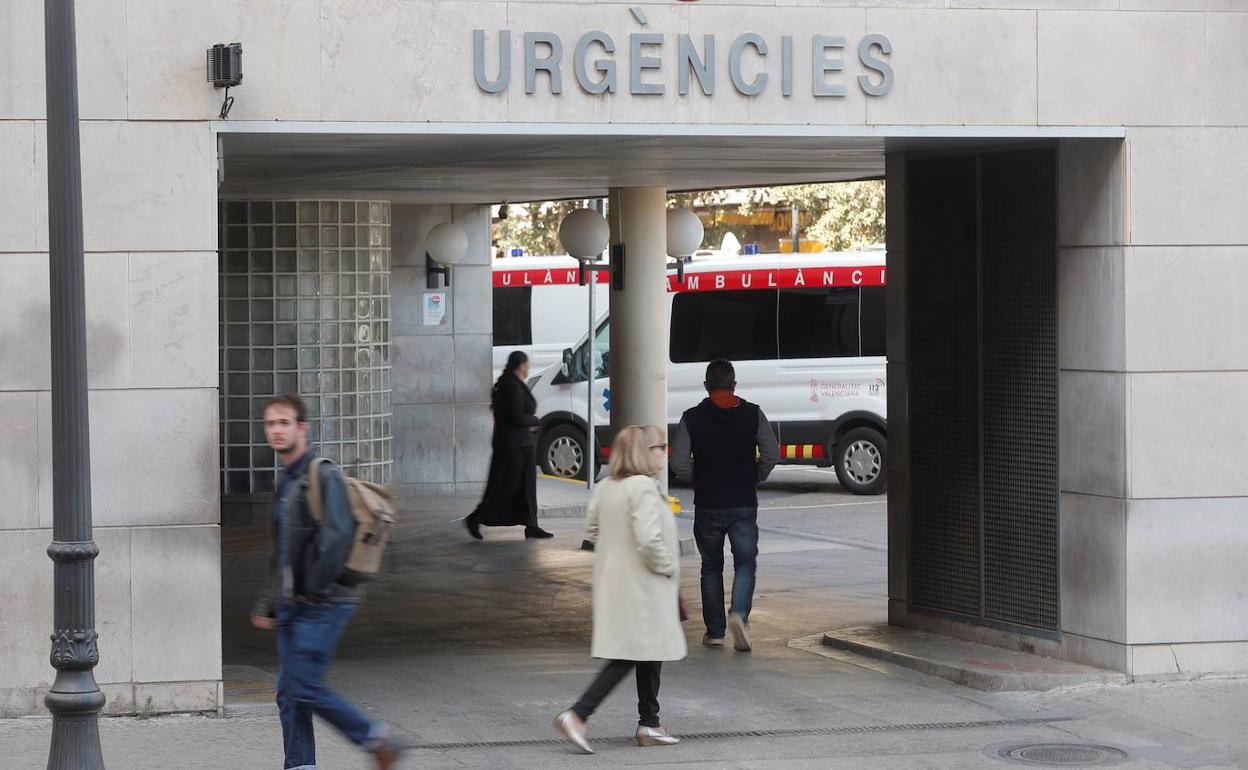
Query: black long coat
{"points": [[511, 489]]}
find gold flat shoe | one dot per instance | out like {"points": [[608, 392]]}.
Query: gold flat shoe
{"points": [[565, 725], [655, 736]]}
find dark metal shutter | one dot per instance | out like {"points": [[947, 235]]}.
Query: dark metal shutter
{"points": [[1019, 373], [981, 314], [944, 464]]}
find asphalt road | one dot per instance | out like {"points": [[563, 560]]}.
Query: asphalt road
{"points": [[808, 502]]}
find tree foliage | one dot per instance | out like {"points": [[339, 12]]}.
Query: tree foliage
{"points": [[533, 227], [843, 215], [853, 216]]}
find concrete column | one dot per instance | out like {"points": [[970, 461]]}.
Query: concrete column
{"points": [[638, 217]]}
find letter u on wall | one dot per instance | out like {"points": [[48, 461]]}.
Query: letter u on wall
{"points": [[499, 84]]}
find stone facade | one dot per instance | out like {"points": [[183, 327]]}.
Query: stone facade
{"points": [[1153, 242], [1147, 258], [442, 374]]}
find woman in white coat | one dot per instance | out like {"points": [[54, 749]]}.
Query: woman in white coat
{"points": [[636, 585]]}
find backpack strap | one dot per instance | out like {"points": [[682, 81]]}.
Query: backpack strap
{"points": [[315, 502]]}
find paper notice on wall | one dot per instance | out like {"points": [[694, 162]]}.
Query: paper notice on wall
{"points": [[435, 308]]}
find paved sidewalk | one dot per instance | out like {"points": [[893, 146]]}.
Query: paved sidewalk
{"points": [[805, 712], [470, 648]]}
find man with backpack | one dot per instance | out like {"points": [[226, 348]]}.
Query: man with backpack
{"points": [[725, 445], [308, 600]]}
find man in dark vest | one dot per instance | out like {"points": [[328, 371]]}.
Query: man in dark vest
{"points": [[726, 446]]}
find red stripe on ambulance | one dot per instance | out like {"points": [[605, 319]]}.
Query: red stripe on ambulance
{"points": [[813, 277], [780, 278], [559, 276]]}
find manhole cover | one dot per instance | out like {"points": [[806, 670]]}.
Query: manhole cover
{"points": [[1063, 754]]}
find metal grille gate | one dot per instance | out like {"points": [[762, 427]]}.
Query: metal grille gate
{"points": [[981, 309]]}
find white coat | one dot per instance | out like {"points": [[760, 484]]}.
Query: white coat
{"points": [[636, 572]]}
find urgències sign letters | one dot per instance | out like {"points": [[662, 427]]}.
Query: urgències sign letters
{"points": [[753, 62]]}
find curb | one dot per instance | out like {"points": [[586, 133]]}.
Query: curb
{"points": [[1028, 674], [574, 511], [248, 709]]}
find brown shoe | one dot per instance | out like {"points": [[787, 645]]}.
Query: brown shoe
{"points": [[386, 758], [387, 752]]}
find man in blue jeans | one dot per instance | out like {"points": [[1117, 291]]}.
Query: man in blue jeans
{"points": [[304, 600], [726, 446]]}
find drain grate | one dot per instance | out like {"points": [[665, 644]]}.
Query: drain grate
{"points": [[790, 733], [1063, 754]]}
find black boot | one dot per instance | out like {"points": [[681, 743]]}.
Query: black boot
{"points": [[474, 528], [536, 533]]}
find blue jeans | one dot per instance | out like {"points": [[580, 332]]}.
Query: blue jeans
{"points": [[307, 636], [740, 525]]}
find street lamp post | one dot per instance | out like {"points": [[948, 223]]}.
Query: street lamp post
{"points": [[584, 234], [75, 699]]}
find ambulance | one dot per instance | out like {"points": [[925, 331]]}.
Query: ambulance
{"points": [[804, 331], [539, 308]]}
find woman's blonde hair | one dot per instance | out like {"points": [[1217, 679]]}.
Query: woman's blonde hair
{"points": [[630, 452]]}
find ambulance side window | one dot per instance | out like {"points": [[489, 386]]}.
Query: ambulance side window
{"points": [[737, 325], [872, 322], [513, 315], [818, 323]]}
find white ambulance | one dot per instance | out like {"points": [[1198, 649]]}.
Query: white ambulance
{"points": [[540, 308], [805, 333]]}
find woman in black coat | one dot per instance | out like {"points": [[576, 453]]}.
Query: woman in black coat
{"points": [[511, 490]]}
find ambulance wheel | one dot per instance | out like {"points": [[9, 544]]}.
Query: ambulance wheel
{"points": [[861, 460], [561, 452]]}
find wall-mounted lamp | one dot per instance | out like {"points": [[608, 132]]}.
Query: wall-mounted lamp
{"points": [[445, 246], [684, 236], [225, 70], [584, 234]]}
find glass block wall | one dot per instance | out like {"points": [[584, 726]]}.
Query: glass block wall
{"points": [[305, 308]]}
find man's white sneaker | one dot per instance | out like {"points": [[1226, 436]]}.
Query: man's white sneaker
{"points": [[712, 641], [740, 633]]}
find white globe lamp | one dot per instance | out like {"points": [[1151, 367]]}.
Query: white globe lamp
{"points": [[684, 232], [584, 233], [445, 246], [447, 243]]}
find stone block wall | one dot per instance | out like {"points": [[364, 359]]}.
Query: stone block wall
{"points": [[1153, 254], [442, 374], [1151, 361], [149, 217]]}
